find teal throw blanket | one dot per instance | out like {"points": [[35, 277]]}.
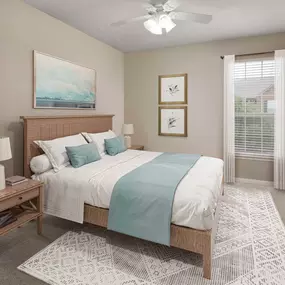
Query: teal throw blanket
{"points": [[141, 202]]}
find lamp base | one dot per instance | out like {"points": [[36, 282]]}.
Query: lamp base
{"points": [[2, 177], [128, 141]]}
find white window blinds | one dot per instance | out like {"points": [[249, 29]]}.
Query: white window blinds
{"points": [[254, 106]]}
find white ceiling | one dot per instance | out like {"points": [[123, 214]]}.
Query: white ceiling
{"points": [[231, 19]]}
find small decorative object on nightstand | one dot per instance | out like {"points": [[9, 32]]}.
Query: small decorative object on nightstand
{"points": [[18, 200], [128, 129], [5, 154], [137, 147]]}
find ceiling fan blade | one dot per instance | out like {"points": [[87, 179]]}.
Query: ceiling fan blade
{"points": [[195, 17], [220, 4], [133, 20], [171, 5], [149, 8]]}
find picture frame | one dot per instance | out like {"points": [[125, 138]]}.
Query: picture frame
{"points": [[61, 84], [172, 121], [173, 89]]}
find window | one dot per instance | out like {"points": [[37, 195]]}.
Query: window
{"points": [[254, 107]]}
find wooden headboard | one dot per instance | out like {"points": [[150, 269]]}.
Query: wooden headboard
{"points": [[51, 127]]}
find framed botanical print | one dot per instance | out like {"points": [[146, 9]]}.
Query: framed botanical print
{"points": [[172, 121], [172, 89]]}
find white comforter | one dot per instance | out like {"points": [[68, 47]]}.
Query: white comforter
{"points": [[194, 202]]}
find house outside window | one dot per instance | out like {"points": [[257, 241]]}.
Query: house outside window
{"points": [[254, 107]]}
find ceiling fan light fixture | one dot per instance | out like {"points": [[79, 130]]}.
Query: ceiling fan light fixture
{"points": [[166, 23], [153, 26]]}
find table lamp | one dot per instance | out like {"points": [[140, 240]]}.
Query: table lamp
{"points": [[128, 129], [5, 154]]}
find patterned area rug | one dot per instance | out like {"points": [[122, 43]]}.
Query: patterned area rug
{"points": [[249, 249]]}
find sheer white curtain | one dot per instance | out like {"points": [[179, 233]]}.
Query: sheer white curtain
{"points": [[229, 119], [279, 143]]}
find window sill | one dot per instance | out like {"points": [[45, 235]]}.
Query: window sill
{"points": [[254, 157]]}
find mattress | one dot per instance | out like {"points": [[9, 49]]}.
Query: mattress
{"points": [[194, 202]]}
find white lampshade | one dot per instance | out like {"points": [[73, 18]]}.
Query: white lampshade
{"points": [[5, 149], [128, 129], [153, 26], [166, 22]]}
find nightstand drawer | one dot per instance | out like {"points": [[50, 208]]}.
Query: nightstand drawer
{"points": [[19, 199]]}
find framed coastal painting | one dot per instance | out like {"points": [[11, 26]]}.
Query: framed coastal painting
{"points": [[61, 84], [172, 89], [172, 121]]}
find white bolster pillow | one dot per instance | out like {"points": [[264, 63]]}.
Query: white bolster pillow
{"points": [[40, 164]]}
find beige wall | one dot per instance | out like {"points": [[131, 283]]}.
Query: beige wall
{"points": [[205, 96], [254, 169], [24, 29]]}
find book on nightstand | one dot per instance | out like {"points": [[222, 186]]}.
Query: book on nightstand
{"points": [[14, 180], [6, 218]]}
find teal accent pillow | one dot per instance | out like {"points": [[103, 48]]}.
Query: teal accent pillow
{"points": [[82, 154], [115, 145]]}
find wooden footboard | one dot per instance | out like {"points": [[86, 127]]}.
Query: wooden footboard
{"points": [[181, 237]]}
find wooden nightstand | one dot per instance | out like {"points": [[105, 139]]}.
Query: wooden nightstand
{"points": [[18, 199], [137, 147]]}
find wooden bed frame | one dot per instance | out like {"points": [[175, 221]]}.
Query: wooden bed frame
{"points": [[47, 128]]}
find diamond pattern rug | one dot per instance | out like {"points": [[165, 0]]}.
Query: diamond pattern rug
{"points": [[249, 249]]}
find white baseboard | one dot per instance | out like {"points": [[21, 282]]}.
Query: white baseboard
{"points": [[254, 181]]}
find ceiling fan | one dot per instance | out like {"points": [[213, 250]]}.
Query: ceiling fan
{"points": [[160, 16]]}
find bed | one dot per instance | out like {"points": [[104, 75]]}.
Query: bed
{"points": [[192, 227]]}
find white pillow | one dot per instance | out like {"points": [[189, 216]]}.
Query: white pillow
{"points": [[56, 152], [98, 139], [40, 164]]}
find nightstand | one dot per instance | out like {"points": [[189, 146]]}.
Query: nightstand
{"points": [[18, 199], [137, 147]]}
